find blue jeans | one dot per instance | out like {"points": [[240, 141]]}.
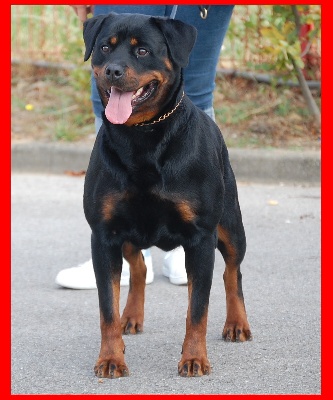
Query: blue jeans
{"points": [[199, 75]]}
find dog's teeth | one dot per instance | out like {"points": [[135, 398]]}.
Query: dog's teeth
{"points": [[138, 92]]}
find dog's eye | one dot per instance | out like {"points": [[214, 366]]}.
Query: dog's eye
{"points": [[105, 49], [141, 52]]}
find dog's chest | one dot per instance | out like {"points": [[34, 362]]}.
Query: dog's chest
{"points": [[152, 216], [162, 206]]}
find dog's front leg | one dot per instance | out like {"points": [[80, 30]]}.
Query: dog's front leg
{"points": [[107, 261], [199, 263]]}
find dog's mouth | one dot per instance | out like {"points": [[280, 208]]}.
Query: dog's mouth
{"points": [[143, 93], [121, 104]]}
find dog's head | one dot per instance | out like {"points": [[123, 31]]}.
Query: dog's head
{"points": [[136, 61]]}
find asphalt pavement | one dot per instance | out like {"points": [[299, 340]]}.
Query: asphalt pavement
{"points": [[55, 331]]}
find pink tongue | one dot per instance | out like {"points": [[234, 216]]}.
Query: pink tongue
{"points": [[119, 107]]}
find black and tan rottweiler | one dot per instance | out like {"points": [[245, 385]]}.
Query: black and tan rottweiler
{"points": [[159, 175]]}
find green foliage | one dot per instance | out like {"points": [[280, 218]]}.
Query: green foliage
{"points": [[281, 39], [265, 38]]}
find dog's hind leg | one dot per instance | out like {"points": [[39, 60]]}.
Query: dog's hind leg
{"points": [[133, 314], [232, 245], [107, 261]]}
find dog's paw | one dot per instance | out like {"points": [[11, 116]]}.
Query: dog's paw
{"points": [[236, 333], [193, 368], [110, 369], [131, 326]]}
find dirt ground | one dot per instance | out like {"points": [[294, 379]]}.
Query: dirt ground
{"points": [[51, 108]]}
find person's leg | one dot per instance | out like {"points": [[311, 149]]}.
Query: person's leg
{"points": [[199, 82], [199, 75]]}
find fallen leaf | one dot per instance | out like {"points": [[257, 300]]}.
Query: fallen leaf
{"points": [[75, 173]]}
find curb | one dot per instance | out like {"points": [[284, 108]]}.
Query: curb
{"points": [[254, 165]]}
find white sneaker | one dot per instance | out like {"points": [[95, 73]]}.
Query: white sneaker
{"points": [[83, 276], [174, 266]]}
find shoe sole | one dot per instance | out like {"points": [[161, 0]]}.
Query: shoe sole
{"points": [[176, 280], [78, 287]]}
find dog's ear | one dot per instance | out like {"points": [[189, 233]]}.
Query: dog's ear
{"points": [[91, 29], [180, 38]]}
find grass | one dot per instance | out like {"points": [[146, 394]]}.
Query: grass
{"points": [[43, 31], [259, 115], [60, 110]]}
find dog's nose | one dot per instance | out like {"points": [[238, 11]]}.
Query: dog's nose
{"points": [[114, 71]]}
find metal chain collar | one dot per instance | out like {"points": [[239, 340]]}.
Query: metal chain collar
{"points": [[163, 117]]}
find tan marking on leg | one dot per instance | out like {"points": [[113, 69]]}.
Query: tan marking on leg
{"points": [[236, 327], [194, 361], [133, 314], [111, 361], [224, 237]]}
